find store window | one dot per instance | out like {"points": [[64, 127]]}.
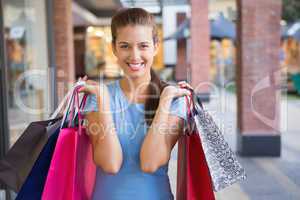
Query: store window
{"points": [[25, 32], [99, 58]]}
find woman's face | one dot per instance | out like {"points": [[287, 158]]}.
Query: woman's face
{"points": [[135, 50]]}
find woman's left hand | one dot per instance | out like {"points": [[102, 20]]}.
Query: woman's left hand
{"points": [[184, 84], [171, 91]]}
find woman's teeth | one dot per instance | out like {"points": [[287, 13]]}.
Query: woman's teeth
{"points": [[136, 66]]}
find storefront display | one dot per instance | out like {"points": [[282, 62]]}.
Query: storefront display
{"points": [[222, 55], [27, 74]]}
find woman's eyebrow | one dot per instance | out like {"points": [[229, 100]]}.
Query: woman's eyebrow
{"points": [[122, 42], [145, 42]]}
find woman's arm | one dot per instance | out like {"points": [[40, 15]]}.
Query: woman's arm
{"points": [[107, 151], [163, 133]]}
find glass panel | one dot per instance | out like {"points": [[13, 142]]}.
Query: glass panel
{"points": [[99, 58], [27, 63]]}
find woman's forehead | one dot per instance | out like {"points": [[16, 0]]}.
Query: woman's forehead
{"points": [[136, 33]]}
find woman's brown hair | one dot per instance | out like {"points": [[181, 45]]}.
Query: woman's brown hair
{"points": [[139, 16]]}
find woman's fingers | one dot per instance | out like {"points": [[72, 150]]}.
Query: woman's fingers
{"points": [[185, 84], [91, 82], [85, 78], [184, 91], [86, 89]]}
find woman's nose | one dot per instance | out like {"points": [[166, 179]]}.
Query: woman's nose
{"points": [[135, 53]]}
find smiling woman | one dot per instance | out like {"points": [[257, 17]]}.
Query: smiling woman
{"points": [[136, 121], [136, 44]]}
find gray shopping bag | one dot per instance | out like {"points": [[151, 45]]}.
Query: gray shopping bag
{"points": [[224, 167]]}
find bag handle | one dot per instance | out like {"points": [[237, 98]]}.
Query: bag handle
{"points": [[79, 108], [60, 106], [67, 109], [71, 105], [192, 102], [66, 99], [76, 108]]}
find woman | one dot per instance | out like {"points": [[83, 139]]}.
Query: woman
{"points": [[134, 122]]}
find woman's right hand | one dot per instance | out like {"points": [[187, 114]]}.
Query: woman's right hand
{"points": [[98, 89], [91, 87]]}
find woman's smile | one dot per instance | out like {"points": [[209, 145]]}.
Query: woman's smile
{"points": [[136, 66]]}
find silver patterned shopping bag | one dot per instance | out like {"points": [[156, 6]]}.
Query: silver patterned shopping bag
{"points": [[222, 162]]}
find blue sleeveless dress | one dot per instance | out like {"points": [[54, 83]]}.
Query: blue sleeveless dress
{"points": [[131, 182]]}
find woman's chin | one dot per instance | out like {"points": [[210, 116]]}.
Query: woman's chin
{"points": [[135, 73]]}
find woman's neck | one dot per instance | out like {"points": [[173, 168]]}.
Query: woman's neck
{"points": [[135, 89]]}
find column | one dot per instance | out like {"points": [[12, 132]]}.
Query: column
{"points": [[258, 78], [200, 47], [64, 46]]}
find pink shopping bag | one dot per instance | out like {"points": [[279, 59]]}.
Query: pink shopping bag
{"points": [[72, 171]]}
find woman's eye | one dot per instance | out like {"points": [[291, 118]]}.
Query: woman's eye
{"points": [[124, 46], [144, 46]]}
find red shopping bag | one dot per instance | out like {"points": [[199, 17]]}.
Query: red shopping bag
{"points": [[72, 171], [193, 177]]}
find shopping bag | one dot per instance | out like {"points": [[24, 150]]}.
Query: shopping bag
{"points": [[222, 163], [34, 184], [19, 160], [72, 171], [224, 167], [193, 176]]}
